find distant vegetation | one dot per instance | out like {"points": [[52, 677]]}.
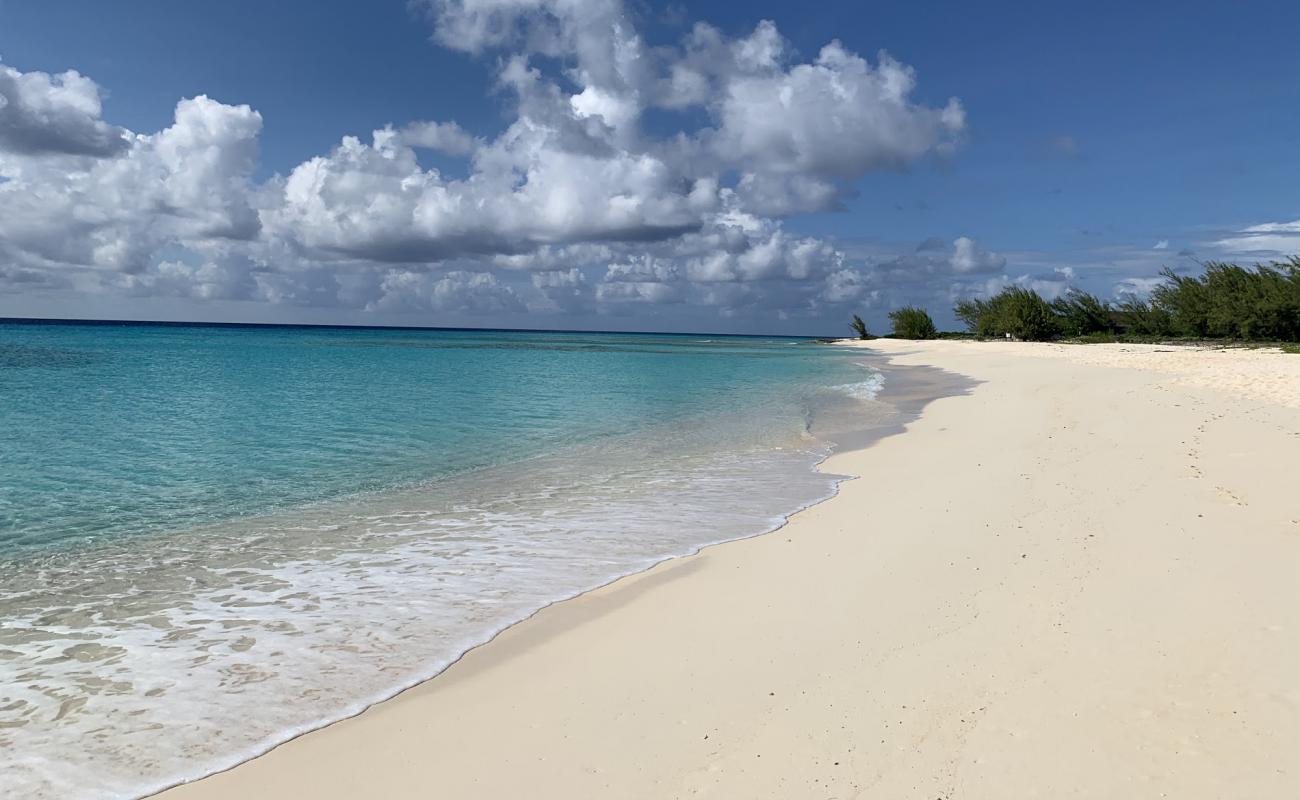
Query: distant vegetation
{"points": [[1079, 314], [1225, 302], [859, 327], [911, 322], [1248, 304], [1023, 313]]}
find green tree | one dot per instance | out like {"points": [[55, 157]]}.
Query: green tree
{"points": [[1225, 301], [970, 312], [1228, 301], [1023, 313], [1186, 302], [1138, 316], [859, 327], [911, 322], [1080, 314]]}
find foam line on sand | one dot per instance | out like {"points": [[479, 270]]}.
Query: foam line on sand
{"points": [[1077, 580]]}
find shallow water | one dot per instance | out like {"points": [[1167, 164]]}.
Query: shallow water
{"points": [[213, 539]]}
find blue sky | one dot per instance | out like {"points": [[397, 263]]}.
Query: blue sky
{"points": [[1092, 134]]}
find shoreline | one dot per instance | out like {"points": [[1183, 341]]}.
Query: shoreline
{"points": [[909, 401], [463, 703], [406, 578]]}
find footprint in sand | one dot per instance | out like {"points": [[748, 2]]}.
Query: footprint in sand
{"points": [[1230, 497]]}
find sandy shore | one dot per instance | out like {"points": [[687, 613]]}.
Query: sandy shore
{"points": [[1081, 579]]}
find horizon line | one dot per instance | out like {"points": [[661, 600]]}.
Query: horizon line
{"points": [[344, 326]]}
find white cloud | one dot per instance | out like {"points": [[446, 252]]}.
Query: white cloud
{"points": [[446, 137], [209, 280], [527, 191], [562, 290], [54, 114], [1163, 244], [968, 257], [1275, 227], [1270, 239], [847, 286], [795, 132], [476, 292], [576, 187], [1051, 284], [187, 184], [791, 130], [933, 274], [644, 279], [1140, 287]]}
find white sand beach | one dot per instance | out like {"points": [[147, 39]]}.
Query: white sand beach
{"points": [[1077, 580]]}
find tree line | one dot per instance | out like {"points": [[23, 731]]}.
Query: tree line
{"points": [[1226, 301]]}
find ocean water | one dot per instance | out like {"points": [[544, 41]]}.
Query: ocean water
{"points": [[213, 539]]}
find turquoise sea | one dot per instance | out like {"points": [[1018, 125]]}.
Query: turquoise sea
{"points": [[215, 538]]}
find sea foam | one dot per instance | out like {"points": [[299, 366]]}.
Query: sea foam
{"points": [[867, 389], [136, 658]]}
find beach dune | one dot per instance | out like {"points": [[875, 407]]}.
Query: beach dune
{"points": [[1077, 580]]}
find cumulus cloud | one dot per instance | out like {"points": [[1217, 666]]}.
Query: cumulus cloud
{"points": [[565, 290], [850, 286], [643, 279], [577, 166], [1135, 287], [797, 131], [209, 280], [187, 184], [968, 257], [936, 273], [933, 273], [1050, 284], [447, 137], [374, 201], [738, 261], [476, 292], [605, 210], [54, 114]]}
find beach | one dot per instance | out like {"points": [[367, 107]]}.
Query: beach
{"points": [[1077, 579]]}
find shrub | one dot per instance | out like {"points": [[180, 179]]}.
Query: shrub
{"points": [[1014, 310], [970, 312], [1137, 316], [1024, 314], [1232, 302], [1259, 303], [1225, 302], [1184, 303], [859, 327], [911, 322], [1083, 314]]}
